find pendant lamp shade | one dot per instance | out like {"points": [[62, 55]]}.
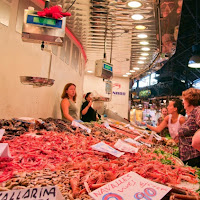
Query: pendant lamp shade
{"points": [[194, 61]]}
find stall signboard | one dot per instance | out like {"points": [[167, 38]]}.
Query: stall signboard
{"points": [[130, 186], [42, 193], [145, 93], [149, 115]]}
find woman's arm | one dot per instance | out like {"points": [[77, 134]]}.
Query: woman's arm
{"points": [[159, 128], [65, 109], [196, 140], [85, 110]]}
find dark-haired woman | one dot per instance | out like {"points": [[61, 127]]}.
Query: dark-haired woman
{"points": [[87, 112], [68, 106], [173, 120], [189, 140]]}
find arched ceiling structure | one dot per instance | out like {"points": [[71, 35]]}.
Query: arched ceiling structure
{"points": [[106, 29]]}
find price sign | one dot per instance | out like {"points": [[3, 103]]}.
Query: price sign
{"points": [[74, 123], [146, 194], [43, 193], [4, 150], [131, 186]]}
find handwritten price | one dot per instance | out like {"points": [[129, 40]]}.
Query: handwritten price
{"points": [[112, 196], [148, 192]]}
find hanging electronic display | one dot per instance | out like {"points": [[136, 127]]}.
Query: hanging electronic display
{"points": [[37, 29], [103, 69]]}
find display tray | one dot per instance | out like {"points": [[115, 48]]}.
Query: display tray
{"points": [[101, 99], [36, 81], [190, 186], [178, 161]]}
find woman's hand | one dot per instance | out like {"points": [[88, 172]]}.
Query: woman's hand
{"points": [[90, 103]]}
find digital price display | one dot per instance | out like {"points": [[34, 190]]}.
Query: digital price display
{"points": [[107, 67], [44, 21]]}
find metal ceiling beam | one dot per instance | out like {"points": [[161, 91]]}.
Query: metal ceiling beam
{"points": [[189, 10]]}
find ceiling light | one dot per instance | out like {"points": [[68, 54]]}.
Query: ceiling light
{"points": [[134, 4], [144, 42], [194, 61], [125, 75], [132, 71], [90, 71], [142, 36], [136, 68], [145, 49], [142, 58], [144, 54], [137, 17], [140, 62], [140, 27], [128, 73]]}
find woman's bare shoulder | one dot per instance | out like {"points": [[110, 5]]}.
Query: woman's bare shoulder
{"points": [[65, 101], [166, 118], [182, 119]]}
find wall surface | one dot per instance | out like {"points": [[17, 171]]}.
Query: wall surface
{"points": [[20, 58], [120, 93]]}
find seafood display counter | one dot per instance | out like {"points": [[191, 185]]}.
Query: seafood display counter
{"points": [[52, 152]]}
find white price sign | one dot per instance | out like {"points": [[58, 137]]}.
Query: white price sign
{"points": [[130, 186], [4, 150], [43, 193]]}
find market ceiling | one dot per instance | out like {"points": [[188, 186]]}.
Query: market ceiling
{"points": [[107, 27]]}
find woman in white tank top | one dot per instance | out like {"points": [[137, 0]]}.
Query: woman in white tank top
{"points": [[173, 121], [173, 127]]}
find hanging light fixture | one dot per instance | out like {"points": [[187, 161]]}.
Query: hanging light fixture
{"points": [[137, 17], [140, 27], [194, 61], [134, 4]]}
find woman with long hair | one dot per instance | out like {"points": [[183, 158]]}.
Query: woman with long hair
{"points": [[173, 120], [68, 107]]}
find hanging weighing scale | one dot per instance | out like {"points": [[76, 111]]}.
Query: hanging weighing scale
{"points": [[46, 31]]}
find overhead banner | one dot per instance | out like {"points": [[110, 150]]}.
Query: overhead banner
{"points": [[130, 186]]}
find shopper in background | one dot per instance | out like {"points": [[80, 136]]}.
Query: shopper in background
{"points": [[68, 107], [173, 121], [164, 114], [87, 112], [189, 140], [165, 131]]}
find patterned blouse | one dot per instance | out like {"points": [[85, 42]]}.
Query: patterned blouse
{"points": [[187, 130]]}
